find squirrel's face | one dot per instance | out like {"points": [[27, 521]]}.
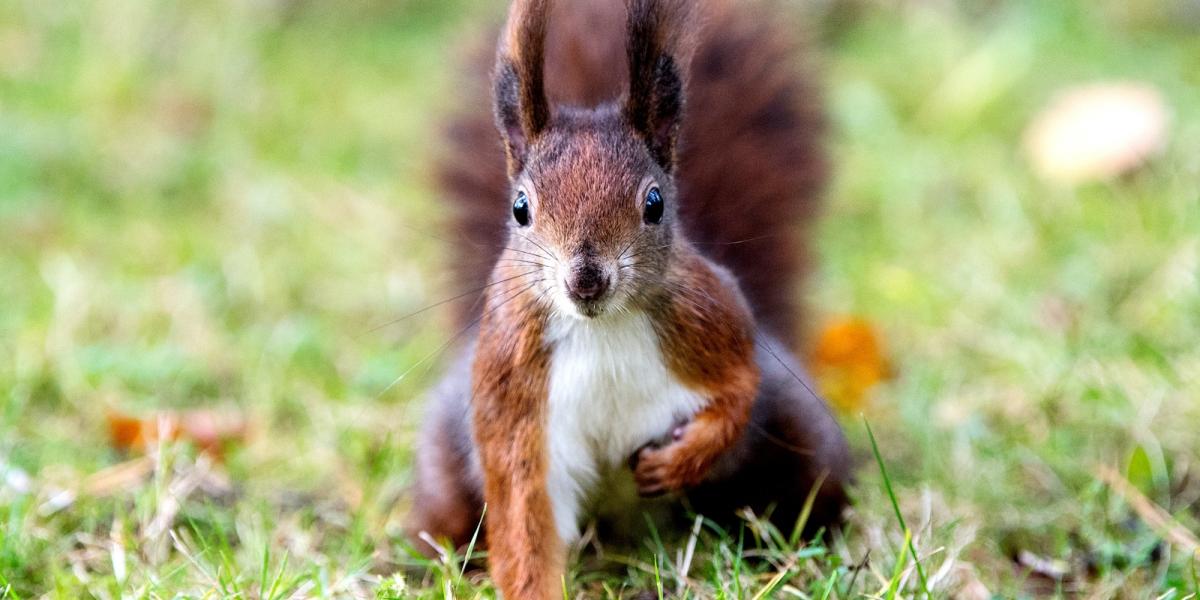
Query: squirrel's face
{"points": [[593, 214], [593, 203]]}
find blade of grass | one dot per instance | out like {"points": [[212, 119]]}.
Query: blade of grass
{"points": [[658, 583], [887, 484], [266, 563], [806, 511], [6, 592], [471, 545], [689, 553], [1152, 514], [898, 570], [279, 576], [829, 585], [1195, 578], [737, 563], [772, 584], [659, 548]]}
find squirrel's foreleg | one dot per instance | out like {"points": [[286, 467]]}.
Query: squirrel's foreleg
{"points": [[524, 551], [509, 403], [695, 446]]}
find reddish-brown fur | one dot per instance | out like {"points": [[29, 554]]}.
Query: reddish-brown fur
{"points": [[738, 168], [509, 400], [708, 339], [751, 159]]}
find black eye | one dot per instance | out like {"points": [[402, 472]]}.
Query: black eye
{"points": [[521, 209], [653, 213]]}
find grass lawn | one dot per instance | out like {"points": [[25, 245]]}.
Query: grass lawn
{"points": [[215, 205]]}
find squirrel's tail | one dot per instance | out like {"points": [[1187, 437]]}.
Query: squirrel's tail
{"points": [[752, 165]]}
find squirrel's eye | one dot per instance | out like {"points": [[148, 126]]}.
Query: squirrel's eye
{"points": [[653, 212], [521, 209]]}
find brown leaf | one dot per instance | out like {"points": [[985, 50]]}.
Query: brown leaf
{"points": [[209, 431], [847, 361]]}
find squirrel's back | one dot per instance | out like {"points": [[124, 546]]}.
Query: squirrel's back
{"points": [[751, 156]]}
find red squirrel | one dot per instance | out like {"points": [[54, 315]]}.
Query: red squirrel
{"points": [[639, 221]]}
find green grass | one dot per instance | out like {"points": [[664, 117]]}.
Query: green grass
{"points": [[213, 204]]}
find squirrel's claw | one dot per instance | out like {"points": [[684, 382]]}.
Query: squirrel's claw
{"points": [[678, 463], [658, 470], [651, 467]]}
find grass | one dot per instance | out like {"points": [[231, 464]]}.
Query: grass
{"points": [[214, 204]]}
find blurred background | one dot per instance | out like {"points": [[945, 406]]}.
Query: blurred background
{"points": [[212, 214]]}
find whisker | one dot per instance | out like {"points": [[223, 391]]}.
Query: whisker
{"points": [[765, 346], [539, 297], [762, 343], [534, 254], [626, 248], [461, 237], [549, 254], [470, 325], [523, 261], [736, 242], [646, 250], [450, 299]]}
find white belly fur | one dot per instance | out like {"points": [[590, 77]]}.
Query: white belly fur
{"points": [[610, 393]]}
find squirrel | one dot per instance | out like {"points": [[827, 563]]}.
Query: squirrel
{"points": [[640, 219]]}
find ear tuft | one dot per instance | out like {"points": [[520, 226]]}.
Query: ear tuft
{"points": [[521, 107], [509, 120], [654, 106], [667, 112]]}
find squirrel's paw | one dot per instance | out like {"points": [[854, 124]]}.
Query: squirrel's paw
{"points": [[661, 469]]}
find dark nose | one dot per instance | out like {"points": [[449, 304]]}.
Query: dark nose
{"points": [[587, 283]]}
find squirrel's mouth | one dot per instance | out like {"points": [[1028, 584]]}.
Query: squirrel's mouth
{"points": [[584, 308], [587, 290], [590, 310]]}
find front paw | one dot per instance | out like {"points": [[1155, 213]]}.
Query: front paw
{"points": [[658, 470], [652, 470]]}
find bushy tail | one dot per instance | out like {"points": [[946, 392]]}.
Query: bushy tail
{"points": [[751, 157]]}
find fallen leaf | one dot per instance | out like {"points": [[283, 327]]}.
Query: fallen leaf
{"points": [[209, 431], [125, 432], [847, 361], [1097, 132]]}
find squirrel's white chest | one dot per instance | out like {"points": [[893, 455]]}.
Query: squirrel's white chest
{"points": [[610, 393]]}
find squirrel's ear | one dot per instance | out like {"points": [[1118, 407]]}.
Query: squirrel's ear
{"points": [[654, 106], [522, 110]]}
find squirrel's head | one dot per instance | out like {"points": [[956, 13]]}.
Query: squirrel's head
{"points": [[593, 198]]}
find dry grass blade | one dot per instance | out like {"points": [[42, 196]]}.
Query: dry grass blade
{"points": [[119, 477], [689, 553], [1148, 511]]}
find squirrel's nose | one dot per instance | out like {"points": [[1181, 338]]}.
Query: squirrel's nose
{"points": [[587, 284]]}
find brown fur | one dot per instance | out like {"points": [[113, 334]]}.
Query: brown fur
{"points": [[586, 179], [522, 109], [445, 502], [751, 161], [509, 403], [707, 336]]}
